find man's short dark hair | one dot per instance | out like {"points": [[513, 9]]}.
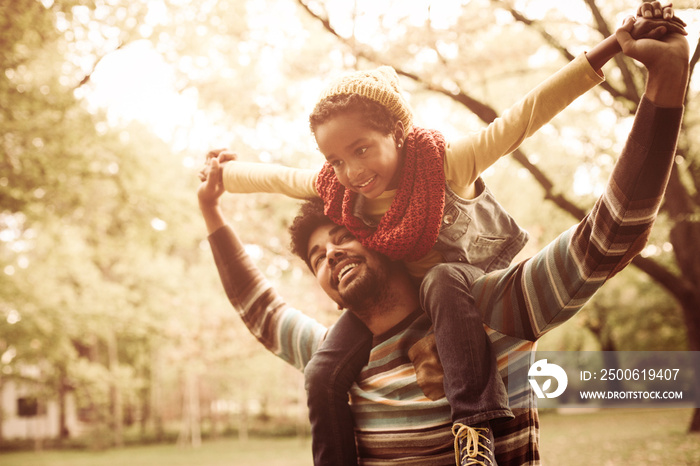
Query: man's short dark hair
{"points": [[310, 217]]}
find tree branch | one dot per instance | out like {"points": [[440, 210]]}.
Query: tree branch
{"points": [[520, 17], [324, 21], [631, 96], [660, 274], [87, 77], [632, 93], [693, 61]]}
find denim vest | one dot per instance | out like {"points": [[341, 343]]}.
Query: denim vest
{"points": [[479, 231], [475, 231]]}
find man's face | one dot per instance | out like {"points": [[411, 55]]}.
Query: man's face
{"points": [[348, 272]]}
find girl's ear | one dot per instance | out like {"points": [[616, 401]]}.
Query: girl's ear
{"points": [[399, 134]]}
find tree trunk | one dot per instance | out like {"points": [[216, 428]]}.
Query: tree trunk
{"points": [[2, 413], [691, 313], [117, 411], [63, 432], [156, 413], [695, 421], [190, 432], [243, 422], [146, 412], [681, 206]]}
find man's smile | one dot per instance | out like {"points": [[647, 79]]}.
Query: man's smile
{"points": [[343, 269]]}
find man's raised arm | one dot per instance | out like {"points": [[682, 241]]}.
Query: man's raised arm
{"points": [[532, 297], [284, 331]]}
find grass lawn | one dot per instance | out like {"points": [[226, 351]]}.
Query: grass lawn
{"points": [[622, 437], [608, 437], [227, 452]]}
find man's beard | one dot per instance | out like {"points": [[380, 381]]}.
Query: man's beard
{"points": [[367, 290]]}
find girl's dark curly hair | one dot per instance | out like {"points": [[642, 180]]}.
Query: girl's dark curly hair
{"points": [[374, 115]]}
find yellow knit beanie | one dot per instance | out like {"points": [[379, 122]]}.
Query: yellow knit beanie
{"points": [[380, 85]]}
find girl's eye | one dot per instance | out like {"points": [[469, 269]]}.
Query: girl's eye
{"points": [[336, 163], [360, 150]]}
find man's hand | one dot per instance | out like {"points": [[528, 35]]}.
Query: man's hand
{"points": [[652, 53], [653, 28], [666, 59], [652, 22], [212, 186]]}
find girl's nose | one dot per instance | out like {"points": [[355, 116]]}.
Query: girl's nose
{"points": [[354, 171]]}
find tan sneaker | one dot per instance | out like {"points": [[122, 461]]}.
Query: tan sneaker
{"points": [[474, 445]]}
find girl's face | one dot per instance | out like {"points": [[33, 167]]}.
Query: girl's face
{"points": [[364, 160]]}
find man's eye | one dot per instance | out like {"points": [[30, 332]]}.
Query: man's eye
{"points": [[317, 261]]}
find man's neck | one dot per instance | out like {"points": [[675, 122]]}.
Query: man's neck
{"points": [[399, 301]]}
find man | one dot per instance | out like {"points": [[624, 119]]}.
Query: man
{"points": [[400, 415]]}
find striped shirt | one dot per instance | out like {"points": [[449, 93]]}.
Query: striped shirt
{"points": [[396, 422]]}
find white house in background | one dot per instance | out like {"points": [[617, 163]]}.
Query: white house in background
{"points": [[27, 416]]}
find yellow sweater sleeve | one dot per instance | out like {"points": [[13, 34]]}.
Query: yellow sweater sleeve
{"points": [[467, 157], [247, 177]]}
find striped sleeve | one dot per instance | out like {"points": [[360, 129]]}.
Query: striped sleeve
{"points": [[283, 330], [532, 297]]}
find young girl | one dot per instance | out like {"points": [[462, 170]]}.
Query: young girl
{"points": [[410, 194]]}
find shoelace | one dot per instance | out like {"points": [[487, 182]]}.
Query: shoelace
{"points": [[470, 438]]}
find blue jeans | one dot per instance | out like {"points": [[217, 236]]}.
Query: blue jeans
{"points": [[473, 385], [328, 377]]}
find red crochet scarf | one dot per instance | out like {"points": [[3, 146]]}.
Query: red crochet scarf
{"points": [[409, 229]]}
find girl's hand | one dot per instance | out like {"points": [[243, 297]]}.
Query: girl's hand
{"points": [[654, 21], [654, 10], [211, 176]]}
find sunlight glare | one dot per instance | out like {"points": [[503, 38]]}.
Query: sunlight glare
{"points": [[135, 83], [158, 224], [586, 181]]}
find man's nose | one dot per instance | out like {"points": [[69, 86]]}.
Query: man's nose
{"points": [[334, 255]]}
